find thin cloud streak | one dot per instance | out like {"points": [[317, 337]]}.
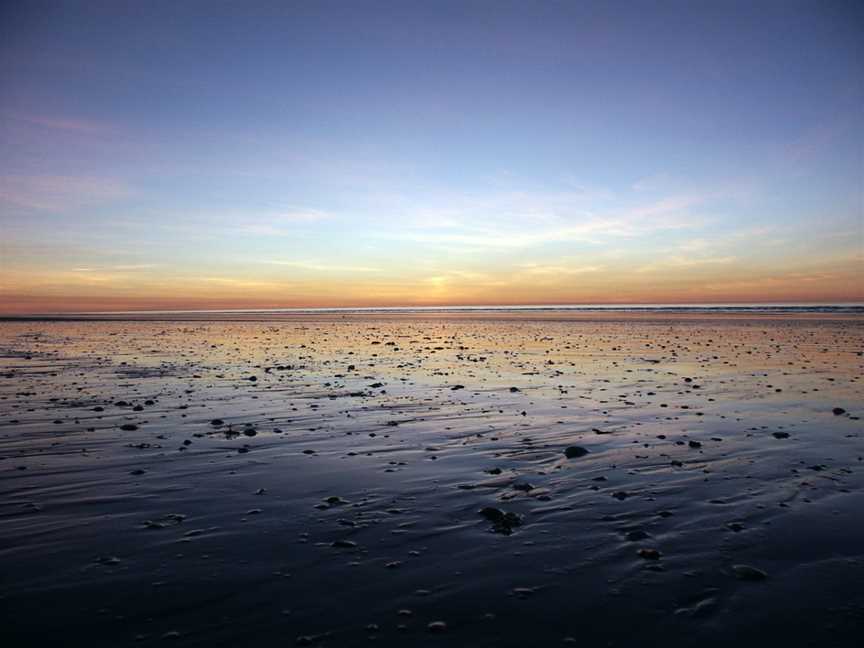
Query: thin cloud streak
{"points": [[66, 124], [666, 214], [56, 193], [322, 267]]}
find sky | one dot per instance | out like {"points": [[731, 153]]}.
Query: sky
{"points": [[164, 155]]}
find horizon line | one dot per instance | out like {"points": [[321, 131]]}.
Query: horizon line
{"points": [[607, 306]]}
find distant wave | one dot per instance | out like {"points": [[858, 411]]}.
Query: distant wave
{"points": [[612, 309], [647, 308]]}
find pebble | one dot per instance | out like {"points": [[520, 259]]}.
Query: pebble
{"points": [[748, 573], [649, 554], [502, 522], [574, 452]]}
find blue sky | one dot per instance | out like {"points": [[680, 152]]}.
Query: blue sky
{"points": [[327, 153]]}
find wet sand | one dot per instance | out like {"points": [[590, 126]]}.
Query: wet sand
{"points": [[433, 481]]}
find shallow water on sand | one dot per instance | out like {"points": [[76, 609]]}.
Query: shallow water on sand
{"points": [[320, 482]]}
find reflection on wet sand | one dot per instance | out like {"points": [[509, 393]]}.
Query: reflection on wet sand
{"points": [[433, 480]]}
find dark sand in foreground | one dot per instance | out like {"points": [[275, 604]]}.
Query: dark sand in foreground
{"points": [[319, 481]]}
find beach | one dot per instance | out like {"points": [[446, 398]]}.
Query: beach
{"points": [[433, 479]]}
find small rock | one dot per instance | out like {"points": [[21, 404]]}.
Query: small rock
{"points": [[502, 522], [574, 452], [748, 573], [649, 554], [343, 544]]}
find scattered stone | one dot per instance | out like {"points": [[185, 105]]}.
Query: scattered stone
{"points": [[502, 522], [748, 573], [649, 554], [574, 452], [169, 520]]}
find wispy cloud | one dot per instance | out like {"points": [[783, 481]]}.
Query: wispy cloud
{"points": [[118, 268], [278, 223], [686, 262], [54, 193], [654, 182], [301, 216], [695, 245], [66, 124], [313, 266], [542, 221], [818, 138], [230, 282], [557, 270], [445, 281]]}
